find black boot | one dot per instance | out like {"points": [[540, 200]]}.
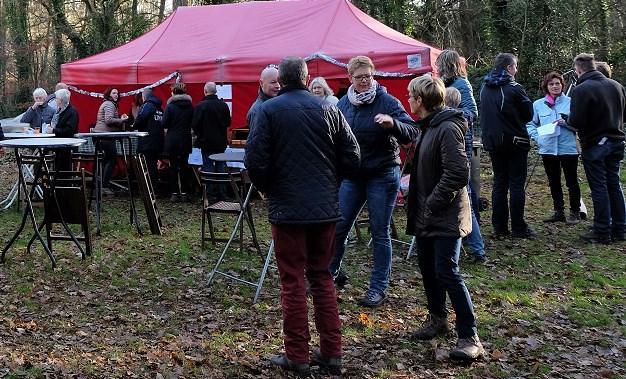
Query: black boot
{"points": [[558, 215]]}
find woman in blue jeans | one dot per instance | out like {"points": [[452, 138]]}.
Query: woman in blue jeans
{"points": [[379, 123], [439, 215]]}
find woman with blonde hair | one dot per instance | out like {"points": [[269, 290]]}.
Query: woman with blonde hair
{"points": [[438, 214], [380, 124], [319, 87]]}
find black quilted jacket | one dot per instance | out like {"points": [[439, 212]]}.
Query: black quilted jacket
{"points": [[298, 148]]}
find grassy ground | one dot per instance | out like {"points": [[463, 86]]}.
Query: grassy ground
{"points": [[139, 307]]}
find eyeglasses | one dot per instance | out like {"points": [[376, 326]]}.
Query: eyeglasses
{"points": [[361, 78]]}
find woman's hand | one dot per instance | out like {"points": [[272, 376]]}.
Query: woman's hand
{"points": [[384, 120]]}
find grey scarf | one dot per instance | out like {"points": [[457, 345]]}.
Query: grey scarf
{"points": [[55, 118], [366, 97]]}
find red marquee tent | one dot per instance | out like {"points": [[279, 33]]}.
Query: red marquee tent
{"points": [[232, 43]]}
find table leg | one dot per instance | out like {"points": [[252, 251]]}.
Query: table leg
{"points": [[133, 211], [28, 211], [97, 176]]}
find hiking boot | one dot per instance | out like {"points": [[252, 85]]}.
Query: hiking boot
{"points": [[341, 279], [372, 299], [433, 327], [594, 237], [301, 369], [480, 259], [501, 234], [525, 234], [618, 237], [329, 365], [557, 216], [467, 349], [573, 218]]}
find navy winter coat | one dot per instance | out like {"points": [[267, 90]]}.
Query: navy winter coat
{"points": [[149, 120], [298, 148], [177, 121], [379, 146]]}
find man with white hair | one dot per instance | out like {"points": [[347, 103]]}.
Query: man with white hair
{"points": [[40, 112], [268, 88], [211, 120], [52, 97]]}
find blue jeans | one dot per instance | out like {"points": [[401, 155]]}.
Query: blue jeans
{"points": [[509, 174], [438, 259], [474, 240], [380, 192], [209, 165], [602, 164]]}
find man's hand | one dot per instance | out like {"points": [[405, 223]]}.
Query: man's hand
{"points": [[37, 104], [384, 120]]}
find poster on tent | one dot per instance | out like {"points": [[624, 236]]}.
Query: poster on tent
{"points": [[225, 92]]}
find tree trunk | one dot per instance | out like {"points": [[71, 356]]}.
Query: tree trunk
{"points": [[17, 11]]}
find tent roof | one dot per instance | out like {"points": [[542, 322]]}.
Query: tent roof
{"points": [[231, 42]]}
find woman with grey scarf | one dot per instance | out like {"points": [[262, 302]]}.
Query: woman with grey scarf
{"points": [[380, 123]]}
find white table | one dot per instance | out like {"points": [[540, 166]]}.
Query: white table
{"points": [[41, 168], [14, 193]]}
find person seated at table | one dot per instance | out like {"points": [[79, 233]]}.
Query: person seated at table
{"points": [[64, 124], [109, 120], [149, 119], [40, 112], [177, 124], [320, 88], [51, 99]]}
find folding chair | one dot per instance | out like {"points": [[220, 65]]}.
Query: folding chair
{"points": [[241, 208], [235, 208]]}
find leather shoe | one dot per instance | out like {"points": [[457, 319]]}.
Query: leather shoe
{"points": [[594, 237], [468, 349], [301, 369], [329, 365]]}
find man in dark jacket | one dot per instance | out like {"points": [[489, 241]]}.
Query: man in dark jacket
{"points": [[504, 111], [40, 112], [149, 119], [439, 215], [64, 124], [268, 88], [211, 120], [298, 147], [597, 111]]}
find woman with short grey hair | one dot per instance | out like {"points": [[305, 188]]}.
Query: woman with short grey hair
{"points": [[319, 87]]}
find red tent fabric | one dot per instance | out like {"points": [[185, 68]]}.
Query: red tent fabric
{"points": [[232, 43]]}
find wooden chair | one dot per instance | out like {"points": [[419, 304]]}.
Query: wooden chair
{"points": [[71, 200], [236, 208]]}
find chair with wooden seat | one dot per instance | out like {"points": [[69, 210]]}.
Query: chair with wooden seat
{"points": [[68, 205], [236, 208]]}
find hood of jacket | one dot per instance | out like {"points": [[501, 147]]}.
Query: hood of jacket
{"points": [[498, 78], [445, 114], [154, 100], [183, 100]]}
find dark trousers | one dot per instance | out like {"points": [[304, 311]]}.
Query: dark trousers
{"points": [[307, 250], [602, 164], [438, 259], [509, 175], [110, 159], [179, 168], [553, 165]]}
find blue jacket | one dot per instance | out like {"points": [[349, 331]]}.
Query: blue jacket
{"points": [[379, 146], [543, 113], [149, 120], [468, 106], [298, 149], [39, 115]]}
